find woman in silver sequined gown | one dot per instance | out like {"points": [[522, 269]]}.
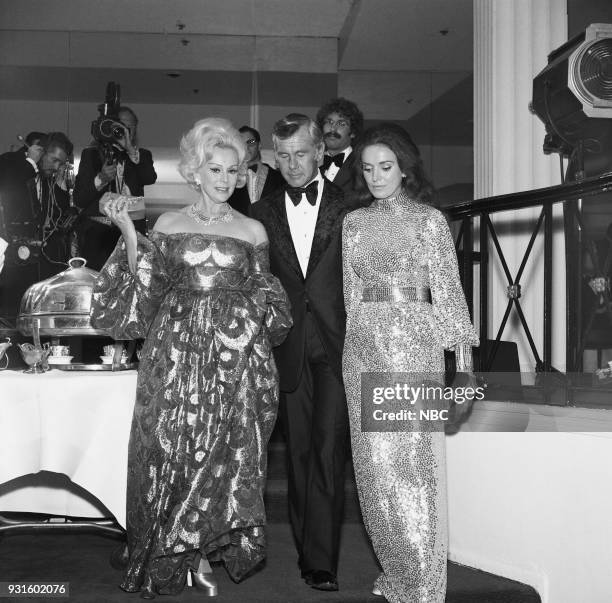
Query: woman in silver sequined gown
{"points": [[199, 289], [404, 305]]}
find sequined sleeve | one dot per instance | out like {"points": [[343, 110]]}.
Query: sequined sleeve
{"points": [[450, 308], [277, 319], [124, 303], [351, 282]]}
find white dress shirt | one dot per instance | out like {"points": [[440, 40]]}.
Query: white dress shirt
{"points": [[32, 163], [302, 220], [37, 179], [3, 246], [333, 169]]}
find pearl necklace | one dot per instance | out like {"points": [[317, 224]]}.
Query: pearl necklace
{"points": [[199, 216]]}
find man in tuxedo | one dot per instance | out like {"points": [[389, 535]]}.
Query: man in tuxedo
{"points": [[126, 171], [32, 150], [341, 122], [261, 179], [304, 224], [34, 213]]}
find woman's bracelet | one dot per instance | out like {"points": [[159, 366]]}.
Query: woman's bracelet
{"points": [[463, 358]]}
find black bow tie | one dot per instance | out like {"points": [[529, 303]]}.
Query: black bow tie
{"points": [[337, 160], [295, 193], [253, 167]]}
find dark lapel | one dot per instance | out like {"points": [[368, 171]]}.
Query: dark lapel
{"points": [[278, 229], [345, 173], [33, 197], [332, 207]]}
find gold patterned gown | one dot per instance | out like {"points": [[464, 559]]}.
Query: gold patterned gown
{"points": [[206, 400], [401, 476]]}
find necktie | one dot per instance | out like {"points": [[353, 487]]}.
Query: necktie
{"points": [[337, 160], [253, 167], [295, 193]]}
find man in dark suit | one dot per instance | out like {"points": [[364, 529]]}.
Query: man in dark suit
{"points": [[127, 172], [304, 223], [341, 122], [261, 179], [34, 213], [16, 169]]}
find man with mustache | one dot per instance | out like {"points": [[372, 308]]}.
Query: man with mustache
{"points": [[341, 122]]}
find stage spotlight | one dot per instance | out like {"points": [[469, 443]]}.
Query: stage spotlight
{"points": [[572, 95]]}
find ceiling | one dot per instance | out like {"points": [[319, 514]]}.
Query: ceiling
{"points": [[408, 60]]}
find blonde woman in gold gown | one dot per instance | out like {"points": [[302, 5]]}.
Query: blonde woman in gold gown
{"points": [[199, 289]]}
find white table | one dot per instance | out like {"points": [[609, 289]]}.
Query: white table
{"points": [[71, 423]]}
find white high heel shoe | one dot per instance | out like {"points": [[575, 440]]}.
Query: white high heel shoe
{"points": [[203, 579]]}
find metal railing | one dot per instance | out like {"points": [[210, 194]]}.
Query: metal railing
{"points": [[544, 198]]}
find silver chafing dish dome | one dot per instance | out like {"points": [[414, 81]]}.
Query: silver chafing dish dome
{"points": [[60, 304]]}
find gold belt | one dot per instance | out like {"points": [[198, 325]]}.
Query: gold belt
{"points": [[396, 294]]}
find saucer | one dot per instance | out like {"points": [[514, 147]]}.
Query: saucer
{"points": [[60, 359], [109, 359]]}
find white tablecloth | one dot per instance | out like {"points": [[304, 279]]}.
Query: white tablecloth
{"points": [[72, 423]]}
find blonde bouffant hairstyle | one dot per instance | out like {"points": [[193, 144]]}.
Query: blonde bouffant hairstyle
{"points": [[198, 144]]}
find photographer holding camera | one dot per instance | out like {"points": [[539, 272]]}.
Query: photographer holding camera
{"points": [[35, 214], [113, 164]]}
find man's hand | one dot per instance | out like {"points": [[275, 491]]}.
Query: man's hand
{"points": [[108, 173], [125, 142], [35, 152]]}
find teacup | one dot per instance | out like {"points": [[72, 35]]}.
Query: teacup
{"points": [[60, 350], [109, 350], [3, 347]]}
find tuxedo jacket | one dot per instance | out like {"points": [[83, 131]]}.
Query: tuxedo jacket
{"points": [[17, 183], [345, 177], [23, 215], [240, 199], [135, 175], [23, 212], [320, 292]]}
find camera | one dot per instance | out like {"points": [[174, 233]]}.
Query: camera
{"points": [[107, 129]]}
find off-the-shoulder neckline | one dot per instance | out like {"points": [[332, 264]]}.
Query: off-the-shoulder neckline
{"points": [[210, 235]]}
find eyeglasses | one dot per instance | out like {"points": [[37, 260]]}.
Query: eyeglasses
{"points": [[340, 123], [251, 142]]}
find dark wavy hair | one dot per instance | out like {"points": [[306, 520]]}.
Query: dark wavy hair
{"points": [[58, 139], [253, 131], [344, 107], [416, 184]]}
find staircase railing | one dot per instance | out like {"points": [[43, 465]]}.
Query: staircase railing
{"points": [[545, 198]]}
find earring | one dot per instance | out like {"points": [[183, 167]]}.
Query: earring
{"points": [[198, 183]]}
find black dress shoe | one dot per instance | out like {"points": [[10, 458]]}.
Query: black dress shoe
{"points": [[321, 580], [119, 557]]}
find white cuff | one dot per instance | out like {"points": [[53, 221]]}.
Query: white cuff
{"points": [[98, 183]]}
